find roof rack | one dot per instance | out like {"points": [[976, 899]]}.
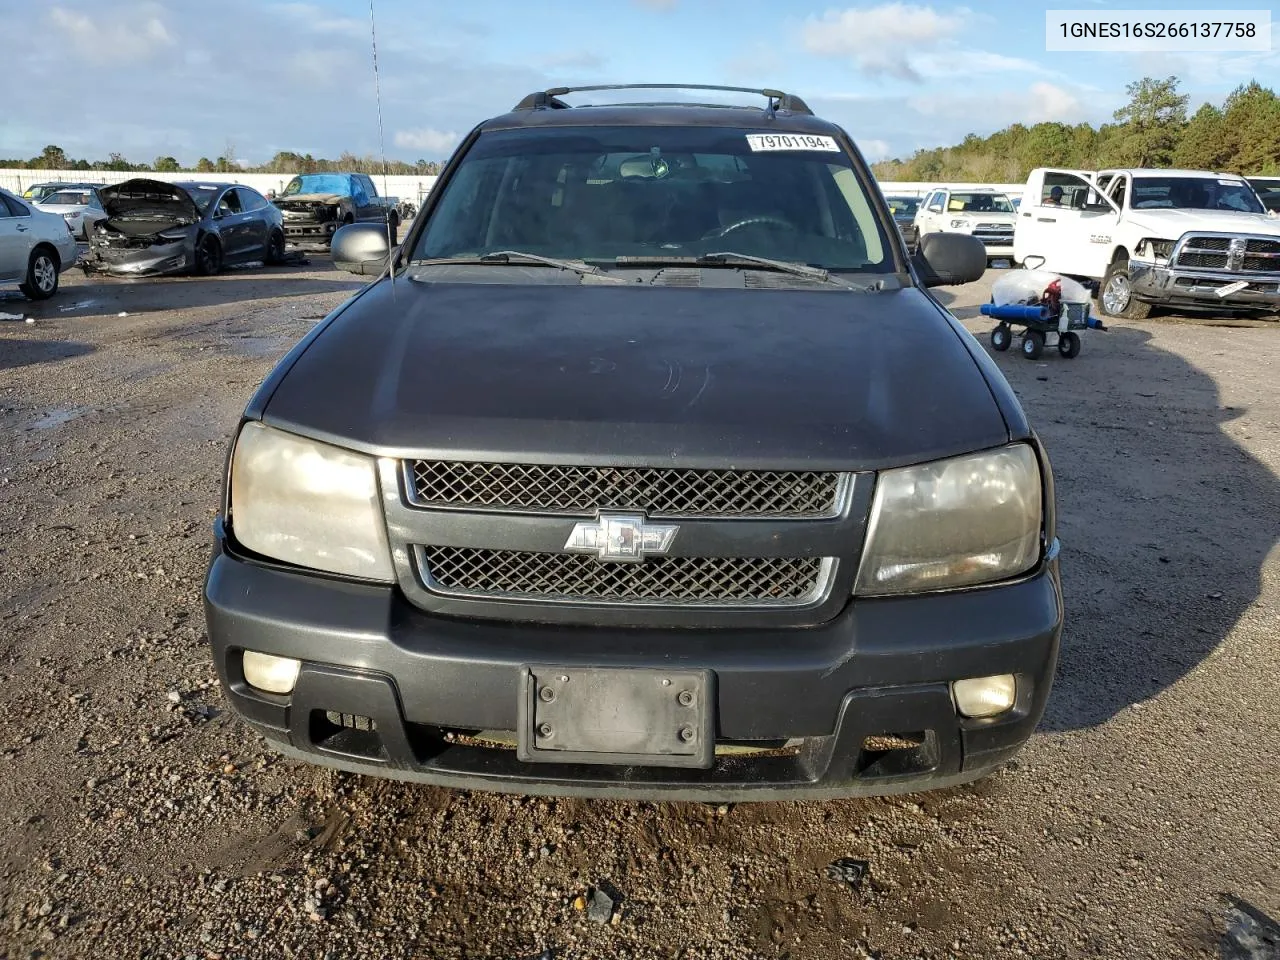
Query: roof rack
{"points": [[776, 99]]}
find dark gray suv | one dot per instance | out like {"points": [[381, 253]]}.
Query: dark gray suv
{"points": [[646, 466]]}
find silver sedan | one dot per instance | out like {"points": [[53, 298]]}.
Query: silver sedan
{"points": [[80, 206], [35, 247]]}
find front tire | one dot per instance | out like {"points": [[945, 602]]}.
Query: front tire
{"points": [[1115, 296], [1032, 344], [1001, 337], [1069, 345], [208, 256], [42, 274]]}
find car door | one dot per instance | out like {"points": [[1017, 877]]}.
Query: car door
{"points": [[362, 193], [252, 209], [16, 239], [930, 210], [231, 225], [1065, 224]]}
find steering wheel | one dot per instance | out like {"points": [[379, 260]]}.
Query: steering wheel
{"points": [[751, 222]]}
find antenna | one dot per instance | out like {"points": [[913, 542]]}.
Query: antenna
{"points": [[382, 147]]}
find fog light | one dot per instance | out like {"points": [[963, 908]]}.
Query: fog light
{"points": [[985, 696], [272, 674]]}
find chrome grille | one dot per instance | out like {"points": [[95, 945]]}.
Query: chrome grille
{"points": [[1210, 243], [1235, 254], [1205, 261], [660, 492], [669, 581]]}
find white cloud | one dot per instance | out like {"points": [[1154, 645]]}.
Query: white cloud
{"points": [[880, 39], [319, 20], [1040, 103], [429, 141], [137, 36], [874, 150]]}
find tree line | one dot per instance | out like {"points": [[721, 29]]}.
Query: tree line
{"points": [[54, 157], [1242, 135]]}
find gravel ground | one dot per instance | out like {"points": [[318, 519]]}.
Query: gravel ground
{"points": [[139, 819]]}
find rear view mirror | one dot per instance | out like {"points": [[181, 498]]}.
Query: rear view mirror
{"points": [[361, 248], [949, 259]]}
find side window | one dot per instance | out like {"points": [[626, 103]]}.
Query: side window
{"points": [[1118, 190], [359, 192], [1067, 190], [10, 207], [935, 201], [95, 201], [249, 200], [228, 204]]}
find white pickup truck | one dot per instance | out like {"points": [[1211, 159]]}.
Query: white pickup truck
{"points": [[1180, 238]]}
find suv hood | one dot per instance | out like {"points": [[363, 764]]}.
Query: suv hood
{"points": [[1171, 224], [152, 200], [638, 375]]}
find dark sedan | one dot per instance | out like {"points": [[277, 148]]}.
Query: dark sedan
{"points": [[154, 228], [904, 215]]}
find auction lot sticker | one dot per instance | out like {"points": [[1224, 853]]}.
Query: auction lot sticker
{"points": [[1187, 31], [759, 142]]}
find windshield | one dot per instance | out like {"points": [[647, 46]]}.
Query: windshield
{"points": [[904, 206], [598, 193], [979, 203], [203, 196], [329, 183], [1194, 193], [70, 197]]}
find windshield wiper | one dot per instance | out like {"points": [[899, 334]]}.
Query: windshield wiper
{"points": [[729, 258], [519, 256]]}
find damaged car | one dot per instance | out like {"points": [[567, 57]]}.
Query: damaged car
{"points": [[315, 205], [153, 227]]}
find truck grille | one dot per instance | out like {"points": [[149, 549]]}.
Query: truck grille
{"points": [[659, 491], [669, 581], [994, 234], [1235, 254]]}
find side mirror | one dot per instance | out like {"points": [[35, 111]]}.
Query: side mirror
{"points": [[949, 259], [934, 208], [361, 248]]}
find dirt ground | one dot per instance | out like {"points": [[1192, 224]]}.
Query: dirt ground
{"points": [[139, 819]]}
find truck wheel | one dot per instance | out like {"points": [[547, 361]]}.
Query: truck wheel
{"points": [[1115, 296], [1001, 337], [1032, 344], [1069, 345]]}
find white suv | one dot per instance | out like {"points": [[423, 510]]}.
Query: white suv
{"points": [[983, 213], [35, 247]]}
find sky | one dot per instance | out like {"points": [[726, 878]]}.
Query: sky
{"points": [[147, 78]]}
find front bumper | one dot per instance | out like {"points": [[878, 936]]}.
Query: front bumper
{"points": [[311, 235], [1199, 289], [429, 683], [153, 261]]}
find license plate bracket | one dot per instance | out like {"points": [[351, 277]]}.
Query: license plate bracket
{"points": [[621, 716]]}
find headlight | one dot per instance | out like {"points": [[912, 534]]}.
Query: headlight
{"points": [[953, 523], [959, 224], [308, 503], [1154, 249]]}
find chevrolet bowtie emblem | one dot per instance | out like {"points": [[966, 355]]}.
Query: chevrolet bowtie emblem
{"points": [[621, 537]]}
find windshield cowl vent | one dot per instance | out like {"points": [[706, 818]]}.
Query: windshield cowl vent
{"points": [[677, 277]]}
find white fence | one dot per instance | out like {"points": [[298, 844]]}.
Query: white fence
{"points": [[412, 188], [405, 187]]}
